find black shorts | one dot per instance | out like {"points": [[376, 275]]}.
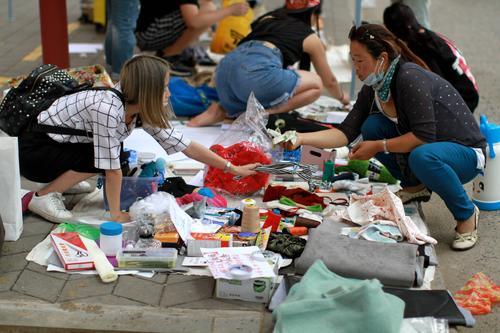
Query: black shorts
{"points": [[162, 32], [42, 159]]}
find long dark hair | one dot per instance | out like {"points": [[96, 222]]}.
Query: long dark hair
{"points": [[377, 39], [401, 21]]}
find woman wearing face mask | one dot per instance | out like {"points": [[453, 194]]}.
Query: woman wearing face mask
{"points": [[415, 123]]}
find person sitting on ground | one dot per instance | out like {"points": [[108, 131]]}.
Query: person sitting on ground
{"points": [[169, 27], [438, 52], [64, 160], [414, 122], [260, 64]]}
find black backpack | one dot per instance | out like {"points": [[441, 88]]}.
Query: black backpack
{"points": [[35, 94]]}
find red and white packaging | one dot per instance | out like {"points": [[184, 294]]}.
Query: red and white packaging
{"points": [[71, 251]]}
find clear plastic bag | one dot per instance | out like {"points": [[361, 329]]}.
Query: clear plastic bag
{"points": [[424, 325], [245, 142]]}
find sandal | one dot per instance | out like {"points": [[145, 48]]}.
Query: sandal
{"points": [[407, 197], [467, 240]]}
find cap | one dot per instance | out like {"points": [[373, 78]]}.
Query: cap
{"points": [[299, 5], [111, 228]]}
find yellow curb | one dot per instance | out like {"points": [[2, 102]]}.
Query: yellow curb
{"points": [[37, 52]]}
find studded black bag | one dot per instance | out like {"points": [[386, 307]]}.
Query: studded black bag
{"points": [[35, 94]]}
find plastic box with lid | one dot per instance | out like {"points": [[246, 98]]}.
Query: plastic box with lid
{"points": [[147, 258]]}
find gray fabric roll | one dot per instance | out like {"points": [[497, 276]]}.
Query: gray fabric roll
{"points": [[392, 264]]}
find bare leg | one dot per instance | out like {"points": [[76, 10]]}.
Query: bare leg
{"points": [[214, 114], [189, 35], [64, 182], [308, 91]]}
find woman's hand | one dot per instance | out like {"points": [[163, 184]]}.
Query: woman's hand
{"points": [[120, 217], [244, 170], [365, 150], [239, 9], [289, 145], [345, 99]]}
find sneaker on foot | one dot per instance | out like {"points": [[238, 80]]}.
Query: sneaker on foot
{"points": [[81, 187], [177, 68], [50, 207], [467, 240]]}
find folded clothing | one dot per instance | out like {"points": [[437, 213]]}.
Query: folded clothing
{"points": [[393, 264], [298, 195], [326, 302]]}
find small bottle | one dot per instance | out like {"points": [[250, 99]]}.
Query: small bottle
{"points": [[110, 240]]}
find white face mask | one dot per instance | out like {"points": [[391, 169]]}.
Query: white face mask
{"points": [[375, 77]]}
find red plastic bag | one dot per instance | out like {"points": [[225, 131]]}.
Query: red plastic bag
{"points": [[478, 294], [239, 154]]}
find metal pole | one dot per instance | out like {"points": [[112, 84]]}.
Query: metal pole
{"points": [[54, 30], [10, 11], [357, 22]]}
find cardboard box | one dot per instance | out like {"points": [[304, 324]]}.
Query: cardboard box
{"points": [[71, 251], [200, 240], [253, 290]]}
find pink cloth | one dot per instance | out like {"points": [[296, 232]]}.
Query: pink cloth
{"points": [[385, 207]]}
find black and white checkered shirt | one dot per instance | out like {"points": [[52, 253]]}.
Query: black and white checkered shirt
{"points": [[101, 112]]}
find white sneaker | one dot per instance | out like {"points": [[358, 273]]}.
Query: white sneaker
{"points": [[50, 207], [81, 187]]}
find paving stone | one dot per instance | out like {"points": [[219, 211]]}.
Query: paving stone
{"points": [[82, 288], [222, 304], [138, 290], [32, 266], [187, 292], [247, 323], [108, 300], [36, 226], [39, 285], [14, 295], [157, 278], [7, 280], [176, 278], [14, 262], [24, 244]]}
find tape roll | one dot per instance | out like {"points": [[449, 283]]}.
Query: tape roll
{"points": [[240, 272]]}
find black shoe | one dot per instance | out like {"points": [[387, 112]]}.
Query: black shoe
{"points": [[177, 68], [201, 57]]}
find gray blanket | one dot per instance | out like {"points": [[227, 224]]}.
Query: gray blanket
{"points": [[392, 264]]}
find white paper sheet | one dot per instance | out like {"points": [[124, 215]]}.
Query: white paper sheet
{"points": [[220, 261], [54, 268], [85, 47]]}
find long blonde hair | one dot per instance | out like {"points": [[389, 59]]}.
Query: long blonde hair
{"points": [[142, 80]]}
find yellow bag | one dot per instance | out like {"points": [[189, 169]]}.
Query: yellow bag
{"points": [[231, 30]]}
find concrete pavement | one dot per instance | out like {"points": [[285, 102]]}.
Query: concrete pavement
{"points": [[31, 297]]}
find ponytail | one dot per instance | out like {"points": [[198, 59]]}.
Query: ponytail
{"points": [[408, 55]]}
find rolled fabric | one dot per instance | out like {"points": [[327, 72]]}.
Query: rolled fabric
{"points": [[102, 266]]}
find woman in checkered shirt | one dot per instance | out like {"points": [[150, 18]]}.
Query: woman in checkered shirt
{"points": [[65, 160]]}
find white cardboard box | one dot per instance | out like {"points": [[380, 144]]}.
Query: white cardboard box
{"points": [[253, 290]]}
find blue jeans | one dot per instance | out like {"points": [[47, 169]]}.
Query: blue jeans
{"points": [[120, 37], [253, 67], [441, 166]]}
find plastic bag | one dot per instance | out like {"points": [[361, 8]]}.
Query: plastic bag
{"points": [[231, 30], [246, 141], [478, 294], [188, 101]]}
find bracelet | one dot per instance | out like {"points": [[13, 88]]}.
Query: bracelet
{"points": [[228, 166], [384, 142]]}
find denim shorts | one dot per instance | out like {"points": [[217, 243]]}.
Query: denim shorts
{"points": [[254, 67]]}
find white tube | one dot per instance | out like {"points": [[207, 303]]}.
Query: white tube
{"points": [[101, 263]]}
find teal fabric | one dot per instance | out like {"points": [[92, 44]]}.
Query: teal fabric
{"points": [[326, 302]]}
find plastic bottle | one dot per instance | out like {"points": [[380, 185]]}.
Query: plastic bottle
{"points": [[372, 169], [110, 240]]}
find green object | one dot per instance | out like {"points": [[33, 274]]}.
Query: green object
{"points": [[290, 202], [326, 302], [328, 170], [373, 169], [85, 230]]}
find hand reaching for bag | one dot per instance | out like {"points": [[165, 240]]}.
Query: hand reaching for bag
{"points": [[244, 170]]}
